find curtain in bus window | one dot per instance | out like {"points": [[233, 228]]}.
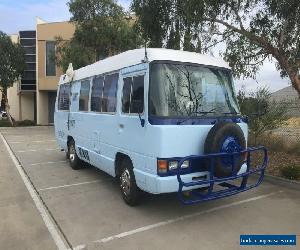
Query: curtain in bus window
{"points": [[137, 98], [110, 93], [84, 95], [64, 97], [126, 94], [96, 95]]}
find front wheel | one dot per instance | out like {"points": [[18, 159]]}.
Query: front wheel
{"points": [[129, 189], [74, 160]]}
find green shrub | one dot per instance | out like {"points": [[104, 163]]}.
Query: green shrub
{"points": [[294, 148], [25, 123], [264, 115], [291, 172], [5, 123]]}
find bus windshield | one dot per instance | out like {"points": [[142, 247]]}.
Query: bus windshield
{"points": [[184, 90]]}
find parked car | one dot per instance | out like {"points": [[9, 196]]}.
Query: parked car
{"points": [[162, 121], [3, 115]]}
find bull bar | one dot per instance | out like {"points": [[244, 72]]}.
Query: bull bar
{"points": [[212, 181]]}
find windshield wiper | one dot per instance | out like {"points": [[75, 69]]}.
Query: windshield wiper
{"points": [[229, 113], [196, 112]]}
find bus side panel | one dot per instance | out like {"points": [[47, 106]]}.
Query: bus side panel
{"points": [[61, 133], [102, 152]]}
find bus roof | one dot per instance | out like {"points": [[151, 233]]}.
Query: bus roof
{"points": [[134, 57]]}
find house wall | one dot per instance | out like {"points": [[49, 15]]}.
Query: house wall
{"points": [[42, 107], [27, 106], [14, 101], [48, 32], [21, 104]]}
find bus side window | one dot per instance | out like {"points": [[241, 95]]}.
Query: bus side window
{"points": [[133, 95], [126, 94], [97, 92], [137, 97], [109, 100], [64, 97], [84, 95]]}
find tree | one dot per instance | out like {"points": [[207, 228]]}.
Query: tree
{"points": [[169, 23], [102, 29], [72, 51], [12, 65], [264, 115], [253, 31]]}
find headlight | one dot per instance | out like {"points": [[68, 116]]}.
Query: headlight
{"points": [[173, 165], [185, 164]]}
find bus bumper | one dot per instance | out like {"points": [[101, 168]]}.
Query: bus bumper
{"points": [[227, 187], [195, 182]]}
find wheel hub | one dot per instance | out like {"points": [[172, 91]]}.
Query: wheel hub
{"points": [[72, 153], [229, 145], [125, 182]]}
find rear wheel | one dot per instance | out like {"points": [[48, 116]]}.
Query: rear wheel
{"points": [[74, 160], [129, 190]]}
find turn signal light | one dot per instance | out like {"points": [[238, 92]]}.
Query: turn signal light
{"points": [[162, 166]]}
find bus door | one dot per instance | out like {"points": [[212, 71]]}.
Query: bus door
{"points": [[131, 125], [62, 110]]}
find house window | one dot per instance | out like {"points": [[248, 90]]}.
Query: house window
{"points": [[50, 59], [133, 95], [109, 100], [84, 95], [64, 97], [96, 96]]}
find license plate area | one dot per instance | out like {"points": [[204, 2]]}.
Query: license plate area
{"points": [[198, 178]]}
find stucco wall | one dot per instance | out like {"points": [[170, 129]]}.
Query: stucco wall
{"points": [[42, 107], [13, 100], [48, 32], [21, 104], [27, 106]]}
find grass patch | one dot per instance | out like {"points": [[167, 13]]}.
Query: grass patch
{"points": [[291, 172]]}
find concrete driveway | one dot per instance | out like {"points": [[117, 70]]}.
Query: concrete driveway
{"points": [[83, 209]]}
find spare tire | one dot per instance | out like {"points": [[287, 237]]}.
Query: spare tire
{"points": [[225, 137]]}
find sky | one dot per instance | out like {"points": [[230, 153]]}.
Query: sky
{"points": [[16, 15]]}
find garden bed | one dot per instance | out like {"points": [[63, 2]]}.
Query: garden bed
{"points": [[6, 123], [284, 165]]}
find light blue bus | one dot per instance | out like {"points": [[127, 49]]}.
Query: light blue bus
{"points": [[160, 121]]}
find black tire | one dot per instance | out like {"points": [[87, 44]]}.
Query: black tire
{"points": [[214, 143], [129, 190], [74, 160], [68, 154]]}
